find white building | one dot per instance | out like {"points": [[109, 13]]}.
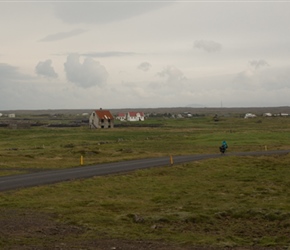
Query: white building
{"points": [[121, 117], [135, 116], [250, 115]]}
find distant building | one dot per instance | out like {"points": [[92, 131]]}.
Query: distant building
{"points": [[281, 114], [250, 115], [101, 119], [135, 116], [121, 116], [11, 115], [267, 115]]}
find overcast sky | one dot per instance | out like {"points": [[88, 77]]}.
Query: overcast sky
{"points": [[144, 54]]}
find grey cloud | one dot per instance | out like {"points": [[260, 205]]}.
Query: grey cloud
{"points": [[145, 66], [103, 12], [258, 63], [253, 78], [45, 69], [267, 79], [7, 71], [10, 73], [245, 80], [208, 46], [13, 85], [62, 35], [90, 73], [275, 78], [172, 74], [108, 54]]}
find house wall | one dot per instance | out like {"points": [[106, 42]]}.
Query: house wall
{"points": [[138, 117], [106, 123], [121, 118], [96, 122], [141, 118], [131, 118]]}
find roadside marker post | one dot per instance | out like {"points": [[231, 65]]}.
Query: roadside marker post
{"points": [[266, 148], [171, 160], [82, 160]]}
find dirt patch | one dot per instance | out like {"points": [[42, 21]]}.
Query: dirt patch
{"points": [[22, 224], [29, 229]]}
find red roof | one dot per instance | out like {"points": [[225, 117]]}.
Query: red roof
{"points": [[121, 114], [104, 114], [135, 113]]}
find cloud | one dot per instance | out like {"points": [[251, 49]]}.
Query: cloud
{"points": [[274, 78], [108, 54], [244, 80], [13, 86], [7, 71], [268, 79], [45, 69], [172, 74], [10, 73], [258, 63], [145, 66], [103, 12], [208, 46], [90, 73], [135, 89], [62, 35]]}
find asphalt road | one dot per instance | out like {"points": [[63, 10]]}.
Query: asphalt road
{"points": [[53, 176]]}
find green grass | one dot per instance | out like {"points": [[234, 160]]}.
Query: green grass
{"points": [[231, 200], [224, 202], [62, 147]]}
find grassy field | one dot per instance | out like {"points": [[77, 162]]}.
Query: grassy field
{"points": [[220, 203]]}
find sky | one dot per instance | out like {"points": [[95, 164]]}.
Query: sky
{"points": [[144, 54]]}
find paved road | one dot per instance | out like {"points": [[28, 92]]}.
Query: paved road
{"points": [[54, 176]]}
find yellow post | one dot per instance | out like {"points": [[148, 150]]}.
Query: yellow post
{"points": [[266, 148], [82, 160], [171, 160]]}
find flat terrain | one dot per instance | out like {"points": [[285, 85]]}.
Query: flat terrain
{"points": [[173, 110], [51, 177], [236, 202]]}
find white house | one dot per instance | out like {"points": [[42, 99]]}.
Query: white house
{"points": [[101, 119], [135, 116], [121, 116], [250, 115]]}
